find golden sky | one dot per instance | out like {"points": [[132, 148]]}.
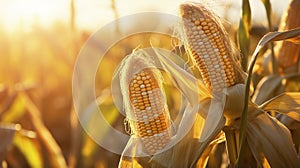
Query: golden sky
{"points": [[92, 14]]}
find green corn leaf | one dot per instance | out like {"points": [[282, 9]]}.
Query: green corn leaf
{"points": [[15, 112], [243, 32], [97, 134], [53, 149], [109, 112], [268, 8], [29, 150], [88, 151]]}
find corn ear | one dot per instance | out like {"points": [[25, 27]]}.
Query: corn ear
{"points": [[211, 51], [145, 102], [210, 47], [286, 52]]}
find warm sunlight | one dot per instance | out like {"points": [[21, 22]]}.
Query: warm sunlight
{"points": [[159, 83], [93, 13], [28, 12]]}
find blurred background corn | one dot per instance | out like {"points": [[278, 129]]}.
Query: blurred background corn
{"points": [[210, 47], [152, 120], [287, 53]]}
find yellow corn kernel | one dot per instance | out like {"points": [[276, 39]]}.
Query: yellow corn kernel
{"points": [[287, 53], [210, 47], [152, 120]]}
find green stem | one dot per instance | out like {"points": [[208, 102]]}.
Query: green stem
{"points": [[274, 65], [273, 36], [231, 144], [269, 13], [243, 127]]}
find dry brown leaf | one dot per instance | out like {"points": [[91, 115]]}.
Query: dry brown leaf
{"points": [[268, 137], [267, 88]]}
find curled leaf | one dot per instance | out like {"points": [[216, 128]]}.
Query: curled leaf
{"points": [[272, 36], [267, 137], [287, 103], [193, 90], [267, 89], [294, 127]]}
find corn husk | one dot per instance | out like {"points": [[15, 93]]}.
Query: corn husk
{"points": [[214, 114]]}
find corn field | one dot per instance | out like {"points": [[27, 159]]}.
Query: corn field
{"points": [[153, 89]]}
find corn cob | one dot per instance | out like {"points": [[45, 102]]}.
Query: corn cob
{"points": [[150, 119], [210, 47], [287, 53]]}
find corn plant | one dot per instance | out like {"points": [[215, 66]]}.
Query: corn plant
{"points": [[218, 105], [26, 141]]}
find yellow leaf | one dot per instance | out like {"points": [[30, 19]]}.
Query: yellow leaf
{"points": [[29, 150], [15, 112], [287, 103]]}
